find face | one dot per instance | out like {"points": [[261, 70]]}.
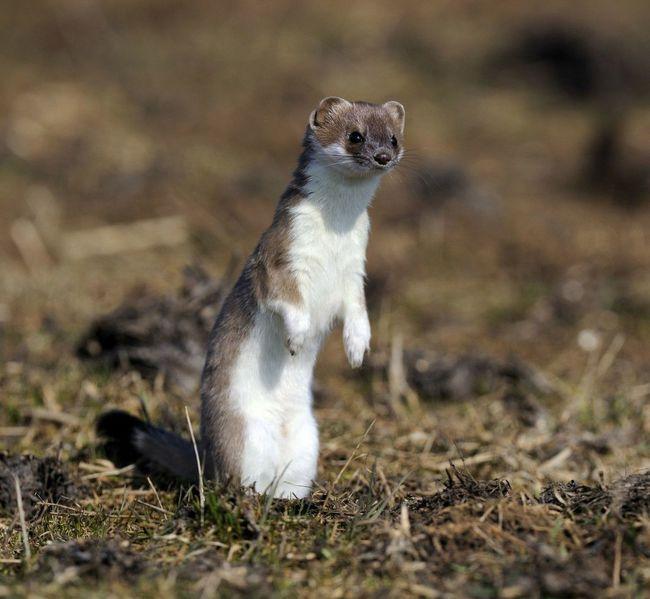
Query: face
{"points": [[359, 139]]}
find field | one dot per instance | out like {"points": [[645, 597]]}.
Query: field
{"points": [[496, 442]]}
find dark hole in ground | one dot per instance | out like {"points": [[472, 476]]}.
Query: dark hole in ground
{"points": [[565, 55], [581, 64]]}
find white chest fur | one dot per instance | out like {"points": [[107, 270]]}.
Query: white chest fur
{"points": [[329, 236]]}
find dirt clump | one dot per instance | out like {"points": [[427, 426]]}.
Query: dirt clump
{"points": [[94, 558], [631, 495], [460, 487], [434, 376], [157, 334], [40, 479], [626, 498]]}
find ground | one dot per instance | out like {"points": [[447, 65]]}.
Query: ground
{"points": [[496, 441]]}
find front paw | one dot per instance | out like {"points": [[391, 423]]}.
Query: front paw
{"points": [[356, 339], [297, 324]]}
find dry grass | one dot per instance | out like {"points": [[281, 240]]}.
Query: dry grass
{"points": [[496, 442]]}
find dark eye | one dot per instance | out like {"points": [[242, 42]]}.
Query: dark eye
{"points": [[355, 137], [393, 141]]}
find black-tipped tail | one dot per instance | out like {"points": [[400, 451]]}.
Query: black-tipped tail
{"points": [[130, 440]]}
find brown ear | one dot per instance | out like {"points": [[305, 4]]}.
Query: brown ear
{"points": [[326, 107], [396, 110]]}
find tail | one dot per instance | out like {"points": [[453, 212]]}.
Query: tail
{"points": [[130, 440]]}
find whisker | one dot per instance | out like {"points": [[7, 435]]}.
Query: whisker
{"points": [[414, 171]]}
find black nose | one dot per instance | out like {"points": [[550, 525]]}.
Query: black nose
{"points": [[382, 158]]}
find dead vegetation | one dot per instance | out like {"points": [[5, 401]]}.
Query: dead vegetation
{"points": [[495, 444]]}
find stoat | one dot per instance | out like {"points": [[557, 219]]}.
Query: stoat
{"points": [[306, 273]]}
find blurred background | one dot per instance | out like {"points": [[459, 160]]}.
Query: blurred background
{"points": [[140, 136]]}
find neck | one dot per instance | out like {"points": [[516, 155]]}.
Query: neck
{"points": [[341, 199]]}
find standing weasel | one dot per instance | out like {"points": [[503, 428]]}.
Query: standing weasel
{"points": [[306, 272]]}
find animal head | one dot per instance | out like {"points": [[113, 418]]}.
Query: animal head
{"points": [[358, 138]]}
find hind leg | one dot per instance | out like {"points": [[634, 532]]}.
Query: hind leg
{"points": [[300, 456], [261, 456]]}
